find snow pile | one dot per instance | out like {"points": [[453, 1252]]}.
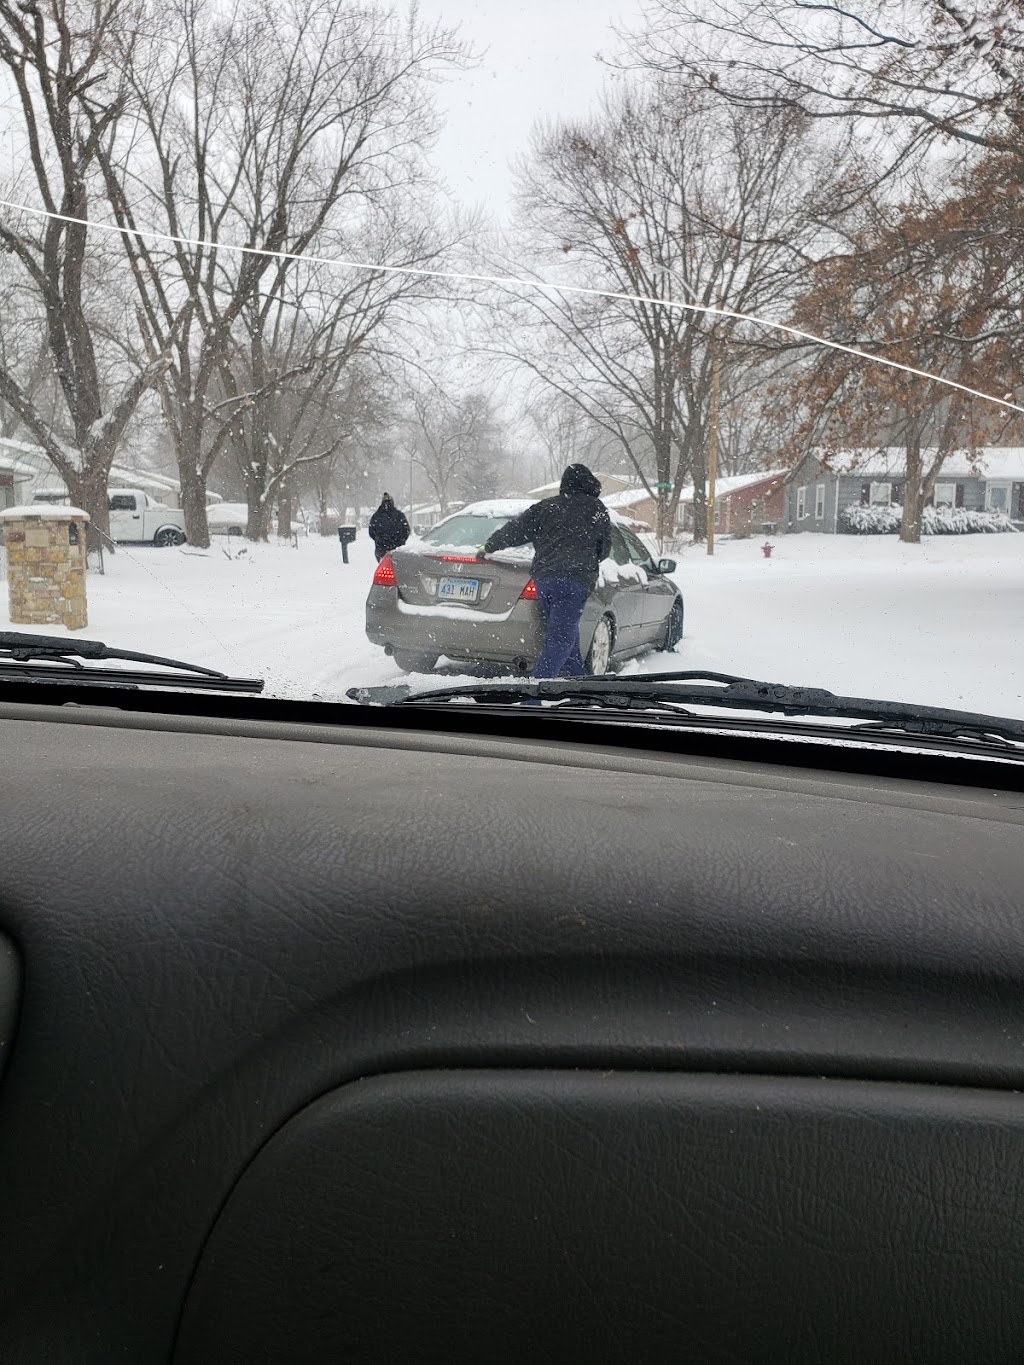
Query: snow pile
{"points": [[610, 572], [935, 521]]}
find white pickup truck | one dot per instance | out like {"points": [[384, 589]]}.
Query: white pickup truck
{"points": [[135, 516]]}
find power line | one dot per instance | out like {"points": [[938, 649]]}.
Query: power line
{"points": [[506, 281]]}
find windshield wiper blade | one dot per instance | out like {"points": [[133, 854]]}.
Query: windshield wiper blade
{"points": [[55, 651], [674, 693]]}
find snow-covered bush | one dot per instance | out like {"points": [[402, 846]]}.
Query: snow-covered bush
{"points": [[935, 521], [958, 521], [871, 521]]}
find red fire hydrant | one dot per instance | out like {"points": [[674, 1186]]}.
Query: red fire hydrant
{"points": [[766, 550]]}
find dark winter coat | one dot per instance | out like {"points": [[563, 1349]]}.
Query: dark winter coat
{"points": [[570, 533], [388, 528]]}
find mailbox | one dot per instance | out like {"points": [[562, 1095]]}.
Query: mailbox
{"points": [[346, 534]]}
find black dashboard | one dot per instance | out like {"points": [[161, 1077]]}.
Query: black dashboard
{"points": [[400, 1041]]}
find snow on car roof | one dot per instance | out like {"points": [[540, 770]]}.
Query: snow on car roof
{"points": [[511, 507], [494, 507]]}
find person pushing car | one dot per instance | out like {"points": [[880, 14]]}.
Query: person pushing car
{"points": [[571, 534]]}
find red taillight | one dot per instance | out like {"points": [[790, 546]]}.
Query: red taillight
{"points": [[385, 575], [529, 593]]}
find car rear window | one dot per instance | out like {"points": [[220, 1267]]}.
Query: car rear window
{"points": [[464, 530]]}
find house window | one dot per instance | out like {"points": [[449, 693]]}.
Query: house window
{"points": [[881, 494], [819, 501], [801, 503], [997, 497], [945, 495]]}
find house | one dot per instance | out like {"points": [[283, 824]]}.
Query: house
{"points": [[636, 507], [818, 492], [742, 502], [610, 483], [16, 476]]}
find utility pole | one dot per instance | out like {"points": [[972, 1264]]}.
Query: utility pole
{"points": [[713, 443]]}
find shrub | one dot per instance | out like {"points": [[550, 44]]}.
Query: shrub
{"points": [[958, 521], [871, 521], [935, 521]]}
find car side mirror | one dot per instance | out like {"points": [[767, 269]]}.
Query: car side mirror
{"points": [[666, 566]]}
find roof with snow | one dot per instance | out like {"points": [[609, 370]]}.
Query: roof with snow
{"points": [[46, 510], [21, 470], [629, 497], [616, 482], [986, 462], [734, 483]]}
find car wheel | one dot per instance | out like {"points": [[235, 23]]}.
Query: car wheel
{"points": [[674, 626], [415, 663], [599, 657], [169, 535]]}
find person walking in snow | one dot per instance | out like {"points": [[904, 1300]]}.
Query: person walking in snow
{"points": [[388, 527], [571, 534]]}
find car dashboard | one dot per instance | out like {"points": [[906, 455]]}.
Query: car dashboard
{"points": [[396, 1040]]}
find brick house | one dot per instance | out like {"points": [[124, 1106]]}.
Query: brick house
{"points": [[742, 502], [816, 494]]}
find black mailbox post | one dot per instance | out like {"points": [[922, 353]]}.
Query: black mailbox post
{"points": [[346, 534]]}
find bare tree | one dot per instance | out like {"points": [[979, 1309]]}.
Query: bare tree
{"points": [[921, 70], [662, 200], [563, 434], [67, 100], [444, 436], [931, 291], [295, 127]]}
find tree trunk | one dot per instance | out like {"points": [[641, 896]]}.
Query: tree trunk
{"points": [[284, 514], [913, 494], [193, 506], [88, 491], [700, 514]]}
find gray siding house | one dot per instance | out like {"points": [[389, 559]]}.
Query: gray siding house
{"points": [[816, 492]]}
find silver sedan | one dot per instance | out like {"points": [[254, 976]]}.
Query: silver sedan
{"points": [[434, 599]]}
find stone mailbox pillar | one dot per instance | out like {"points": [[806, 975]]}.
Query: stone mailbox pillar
{"points": [[46, 565]]}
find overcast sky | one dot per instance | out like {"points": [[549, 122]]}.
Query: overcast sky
{"points": [[540, 61]]}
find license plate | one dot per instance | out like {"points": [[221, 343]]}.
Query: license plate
{"points": [[459, 589]]}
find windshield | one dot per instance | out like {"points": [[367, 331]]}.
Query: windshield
{"points": [[466, 529], [694, 333]]}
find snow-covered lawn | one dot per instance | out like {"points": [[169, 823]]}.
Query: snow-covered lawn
{"points": [[941, 623]]}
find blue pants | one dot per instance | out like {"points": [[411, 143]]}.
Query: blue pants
{"points": [[561, 602]]}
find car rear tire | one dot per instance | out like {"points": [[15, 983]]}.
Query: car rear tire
{"points": [[599, 656], [673, 627], [168, 536], [415, 663]]}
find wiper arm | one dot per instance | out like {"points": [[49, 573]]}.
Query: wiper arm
{"points": [[21, 649], [673, 693]]}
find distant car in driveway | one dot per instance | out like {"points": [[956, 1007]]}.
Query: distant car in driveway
{"points": [[135, 517], [433, 598]]}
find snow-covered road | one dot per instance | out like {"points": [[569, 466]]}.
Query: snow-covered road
{"points": [[941, 623]]}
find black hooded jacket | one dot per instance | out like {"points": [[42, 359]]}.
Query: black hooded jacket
{"points": [[388, 527], [570, 533]]}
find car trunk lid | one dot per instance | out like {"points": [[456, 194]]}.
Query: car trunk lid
{"points": [[449, 579]]}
